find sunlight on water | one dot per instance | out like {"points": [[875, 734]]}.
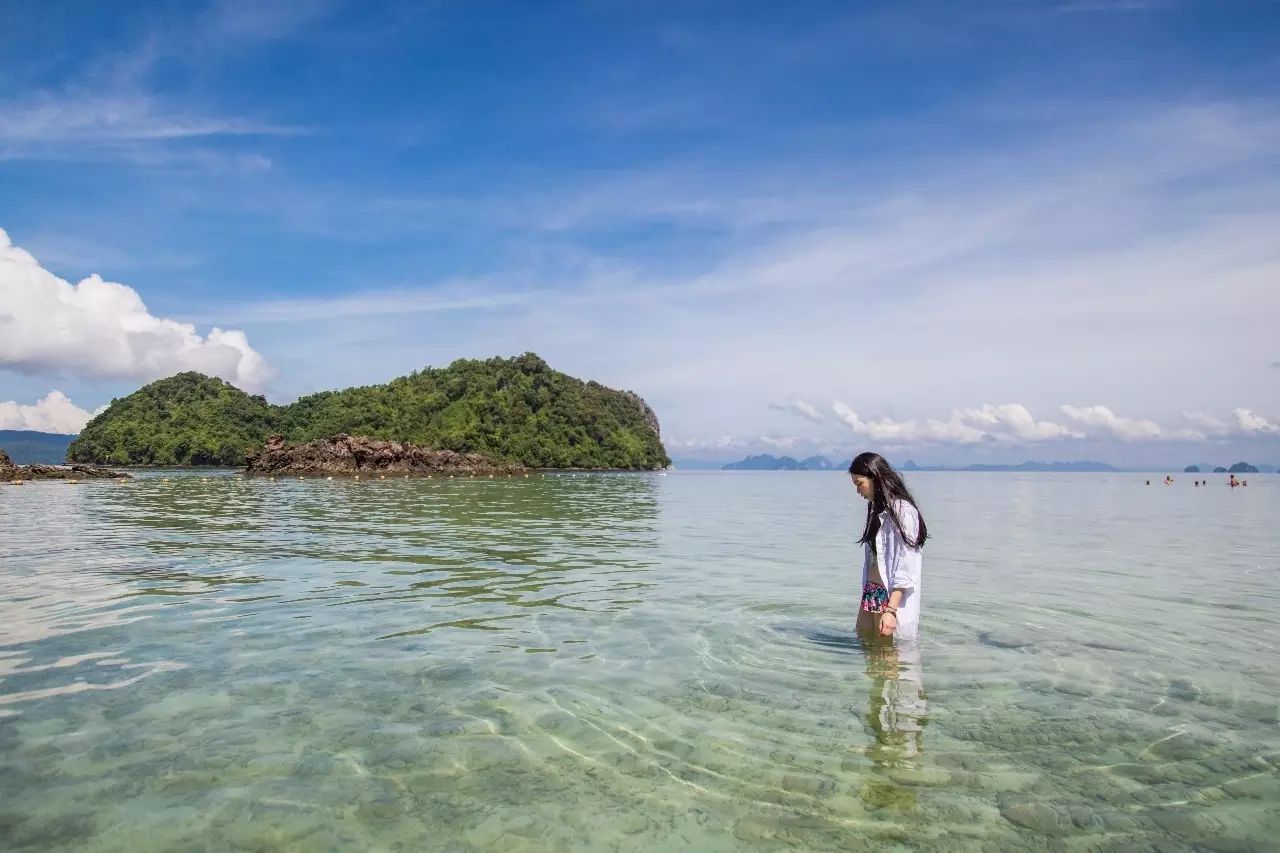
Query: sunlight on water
{"points": [[633, 662]]}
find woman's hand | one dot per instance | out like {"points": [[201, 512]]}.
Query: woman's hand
{"points": [[888, 624]]}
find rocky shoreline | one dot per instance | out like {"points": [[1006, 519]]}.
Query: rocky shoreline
{"points": [[347, 456], [13, 473]]}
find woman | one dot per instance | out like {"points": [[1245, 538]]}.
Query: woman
{"points": [[892, 538]]}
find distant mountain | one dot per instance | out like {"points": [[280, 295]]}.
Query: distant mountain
{"points": [[1191, 469], [27, 447], [1083, 465], [1237, 468], [765, 462]]}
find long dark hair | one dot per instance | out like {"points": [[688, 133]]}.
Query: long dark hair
{"points": [[889, 489]]}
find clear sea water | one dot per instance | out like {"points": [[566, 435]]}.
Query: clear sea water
{"points": [[635, 663]]}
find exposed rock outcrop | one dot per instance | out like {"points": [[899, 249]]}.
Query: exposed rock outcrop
{"points": [[10, 472], [347, 455]]}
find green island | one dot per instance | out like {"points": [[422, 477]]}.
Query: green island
{"points": [[513, 410]]}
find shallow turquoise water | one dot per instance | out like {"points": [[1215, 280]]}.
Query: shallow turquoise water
{"points": [[634, 662]]}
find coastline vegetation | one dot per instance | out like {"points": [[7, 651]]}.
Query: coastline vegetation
{"points": [[516, 410]]}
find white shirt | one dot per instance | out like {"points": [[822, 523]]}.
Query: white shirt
{"points": [[898, 564]]}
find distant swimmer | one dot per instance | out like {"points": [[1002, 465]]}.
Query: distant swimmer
{"points": [[1168, 480], [892, 537], [1233, 482]]}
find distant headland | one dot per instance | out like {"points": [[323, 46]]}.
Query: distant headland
{"points": [[1082, 465], [1237, 468], [27, 447], [766, 462]]}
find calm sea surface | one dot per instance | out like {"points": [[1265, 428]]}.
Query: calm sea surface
{"points": [[635, 662]]}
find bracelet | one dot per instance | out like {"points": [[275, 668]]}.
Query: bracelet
{"points": [[892, 610]]}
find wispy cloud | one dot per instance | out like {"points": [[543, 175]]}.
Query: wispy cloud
{"points": [[399, 302], [982, 276], [1115, 5], [138, 118], [799, 407], [718, 242], [724, 443], [263, 19]]}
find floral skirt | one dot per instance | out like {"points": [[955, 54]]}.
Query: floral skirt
{"points": [[875, 598]]}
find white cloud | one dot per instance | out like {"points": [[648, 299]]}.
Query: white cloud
{"points": [[1249, 423], [54, 413], [1207, 425], [1010, 423], [1099, 420], [1013, 424], [799, 407], [1014, 421], [102, 329]]}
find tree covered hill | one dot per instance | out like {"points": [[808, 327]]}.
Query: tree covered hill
{"points": [[515, 410], [187, 419]]}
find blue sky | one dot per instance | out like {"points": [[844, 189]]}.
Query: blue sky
{"points": [[957, 231]]}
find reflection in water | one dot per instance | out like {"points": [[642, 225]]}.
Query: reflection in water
{"points": [[501, 549], [895, 714], [896, 708]]}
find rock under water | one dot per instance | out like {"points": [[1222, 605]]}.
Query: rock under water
{"points": [[10, 472]]}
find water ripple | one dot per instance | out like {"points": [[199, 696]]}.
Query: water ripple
{"points": [[632, 662]]}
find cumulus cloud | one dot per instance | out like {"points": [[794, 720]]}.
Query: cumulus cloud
{"points": [[55, 413], [1244, 423], [1013, 424], [1010, 423], [103, 329], [1014, 421], [1099, 420], [1249, 423]]}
